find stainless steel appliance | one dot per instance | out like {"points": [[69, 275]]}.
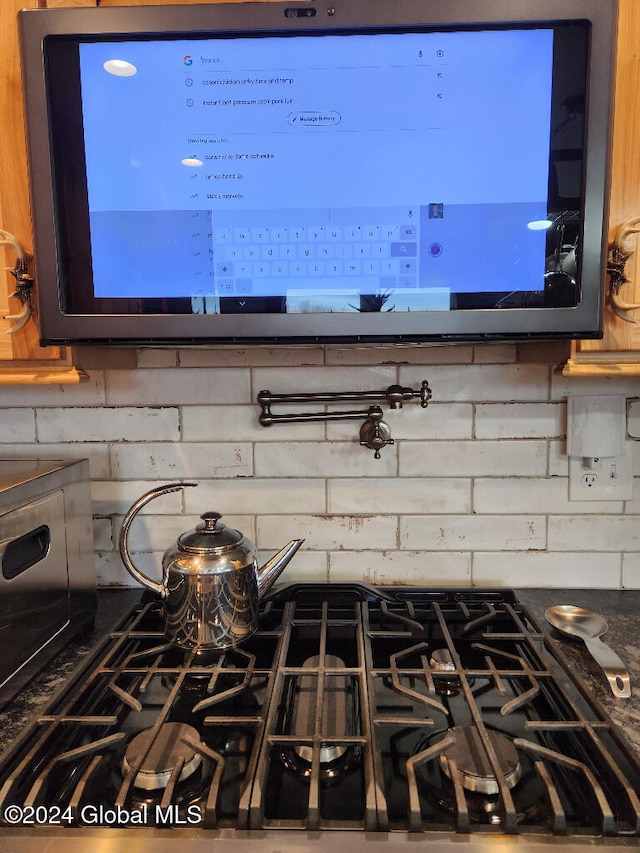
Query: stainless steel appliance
{"points": [[47, 572], [354, 715]]}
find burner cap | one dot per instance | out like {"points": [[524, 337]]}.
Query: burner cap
{"points": [[167, 751], [442, 661], [471, 760]]}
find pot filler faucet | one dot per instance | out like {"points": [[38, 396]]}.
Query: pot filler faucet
{"points": [[374, 432]]}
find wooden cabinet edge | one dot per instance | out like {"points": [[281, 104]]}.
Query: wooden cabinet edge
{"points": [[22, 359], [618, 353], [32, 374], [614, 365]]}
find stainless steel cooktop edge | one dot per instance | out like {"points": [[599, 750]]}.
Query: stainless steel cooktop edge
{"points": [[141, 840]]}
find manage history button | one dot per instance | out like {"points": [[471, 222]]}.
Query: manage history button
{"points": [[314, 118]]}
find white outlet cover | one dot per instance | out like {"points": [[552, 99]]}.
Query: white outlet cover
{"points": [[612, 481]]}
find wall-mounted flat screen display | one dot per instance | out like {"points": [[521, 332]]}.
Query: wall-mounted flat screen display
{"points": [[370, 172]]}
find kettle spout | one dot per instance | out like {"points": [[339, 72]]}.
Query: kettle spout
{"points": [[270, 572]]}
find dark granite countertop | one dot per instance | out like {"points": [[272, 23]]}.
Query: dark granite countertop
{"points": [[621, 609]]}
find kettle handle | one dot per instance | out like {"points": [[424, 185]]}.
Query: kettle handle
{"points": [[160, 588]]}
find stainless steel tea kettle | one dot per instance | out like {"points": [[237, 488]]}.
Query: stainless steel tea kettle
{"points": [[211, 583]]}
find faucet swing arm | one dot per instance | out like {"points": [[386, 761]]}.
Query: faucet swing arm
{"points": [[395, 395], [269, 419], [374, 433]]}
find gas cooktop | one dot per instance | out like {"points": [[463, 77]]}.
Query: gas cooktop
{"points": [[354, 714]]}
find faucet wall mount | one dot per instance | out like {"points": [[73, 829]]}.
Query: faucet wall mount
{"points": [[375, 433]]}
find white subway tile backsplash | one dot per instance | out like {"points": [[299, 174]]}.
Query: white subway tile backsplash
{"points": [[177, 386], [436, 421], [474, 490], [258, 496], [453, 421], [630, 571], [520, 420], [306, 566], [322, 459], [400, 495], [480, 382], [307, 380], [177, 461], [157, 358], [252, 357], [632, 507], [17, 425], [110, 569], [472, 458], [392, 354], [116, 496], [103, 534], [329, 532], [390, 568], [473, 532], [127, 423], [586, 533], [495, 353], [545, 569], [558, 459], [240, 423], [534, 495], [633, 418]]}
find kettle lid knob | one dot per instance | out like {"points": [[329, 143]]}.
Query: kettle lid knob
{"points": [[210, 520], [210, 536]]}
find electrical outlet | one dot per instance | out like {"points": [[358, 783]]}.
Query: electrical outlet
{"points": [[589, 481], [611, 481]]}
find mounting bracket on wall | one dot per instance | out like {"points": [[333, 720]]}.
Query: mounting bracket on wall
{"points": [[374, 432]]}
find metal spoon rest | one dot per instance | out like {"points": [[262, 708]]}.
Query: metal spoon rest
{"points": [[589, 627]]}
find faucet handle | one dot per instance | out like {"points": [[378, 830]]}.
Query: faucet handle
{"points": [[397, 394], [425, 394], [374, 432]]}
